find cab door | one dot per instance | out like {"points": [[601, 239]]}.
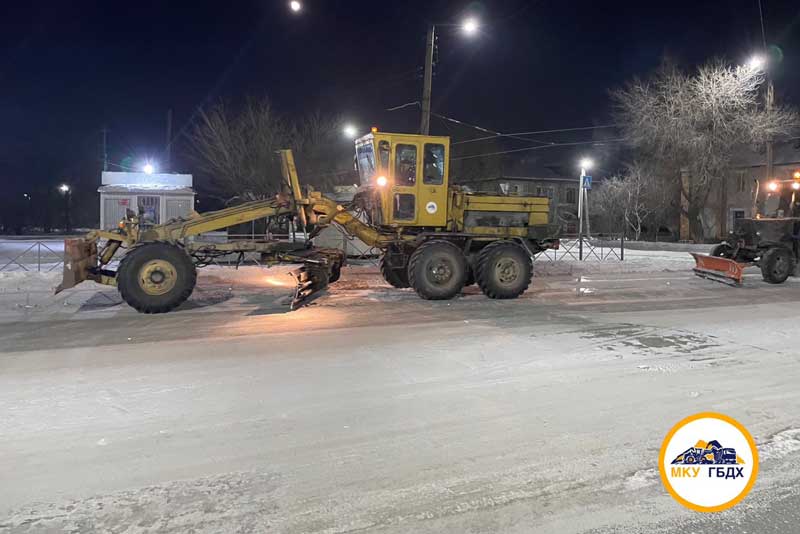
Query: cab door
{"points": [[432, 189], [405, 179]]}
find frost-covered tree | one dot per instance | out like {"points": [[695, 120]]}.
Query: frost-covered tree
{"points": [[695, 121]]}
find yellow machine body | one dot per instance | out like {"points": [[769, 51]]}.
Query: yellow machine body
{"points": [[411, 176]]}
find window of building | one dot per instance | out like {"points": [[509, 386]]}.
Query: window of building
{"points": [[571, 195], [433, 168], [405, 167], [741, 183], [544, 191]]}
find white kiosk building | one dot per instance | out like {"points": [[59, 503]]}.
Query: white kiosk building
{"points": [[159, 196]]}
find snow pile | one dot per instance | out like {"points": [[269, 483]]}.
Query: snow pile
{"points": [[780, 445]]}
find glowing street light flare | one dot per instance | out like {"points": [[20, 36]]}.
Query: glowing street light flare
{"points": [[470, 26], [586, 164], [64, 188], [757, 62], [295, 6], [148, 168], [350, 130]]}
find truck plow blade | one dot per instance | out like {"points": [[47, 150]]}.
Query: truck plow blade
{"points": [[80, 255], [720, 269]]}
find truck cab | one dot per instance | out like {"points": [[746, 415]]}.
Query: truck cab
{"points": [[408, 177]]}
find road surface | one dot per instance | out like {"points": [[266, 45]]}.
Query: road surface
{"points": [[374, 411]]}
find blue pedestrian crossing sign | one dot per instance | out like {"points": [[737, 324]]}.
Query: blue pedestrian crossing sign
{"points": [[587, 182]]}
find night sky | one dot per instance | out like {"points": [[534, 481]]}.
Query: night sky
{"points": [[69, 68]]}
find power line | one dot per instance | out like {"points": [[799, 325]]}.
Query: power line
{"points": [[540, 147], [763, 31], [487, 130], [517, 134]]}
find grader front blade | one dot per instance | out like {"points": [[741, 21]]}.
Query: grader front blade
{"points": [[311, 279], [80, 255], [719, 269]]}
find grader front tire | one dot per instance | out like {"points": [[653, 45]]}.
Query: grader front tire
{"points": [[504, 270], [156, 277], [437, 270], [394, 277]]}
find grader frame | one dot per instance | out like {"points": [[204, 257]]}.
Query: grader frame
{"points": [[463, 237]]}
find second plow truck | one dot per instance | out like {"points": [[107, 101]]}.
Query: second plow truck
{"points": [[770, 242], [433, 237]]}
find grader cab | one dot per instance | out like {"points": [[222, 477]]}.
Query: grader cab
{"points": [[432, 236]]}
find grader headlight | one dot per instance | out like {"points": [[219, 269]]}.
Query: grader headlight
{"points": [[381, 181]]}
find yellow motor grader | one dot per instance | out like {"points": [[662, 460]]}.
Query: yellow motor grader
{"points": [[433, 237]]}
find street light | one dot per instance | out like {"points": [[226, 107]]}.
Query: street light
{"points": [[295, 6], [586, 165], [350, 130], [148, 168], [757, 62], [64, 188], [470, 26]]}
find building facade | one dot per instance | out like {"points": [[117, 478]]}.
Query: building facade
{"points": [[159, 197], [745, 191]]}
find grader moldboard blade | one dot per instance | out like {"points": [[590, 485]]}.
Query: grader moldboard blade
{"points": [[80, 255], [719, 269], [311, 279]]}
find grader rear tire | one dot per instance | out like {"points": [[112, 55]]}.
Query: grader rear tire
{"points": [[437, 270], [504, 270], [156, 277]]}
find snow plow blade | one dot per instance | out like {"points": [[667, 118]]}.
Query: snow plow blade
{"points": [[80, 255], [311, 280], [720, 269]]}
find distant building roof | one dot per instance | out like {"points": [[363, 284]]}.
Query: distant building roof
{"points": [[141, 179], [783, 153], [147, 189]]}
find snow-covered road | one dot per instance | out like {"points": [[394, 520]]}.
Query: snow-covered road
{"points": [[372, 410]]}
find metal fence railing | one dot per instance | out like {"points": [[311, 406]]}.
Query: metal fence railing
{"points": [[31, 255], [586, 249]]}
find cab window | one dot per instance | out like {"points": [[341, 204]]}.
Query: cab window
{"points": [[365, 158], [383, 155], [405, 167], [433, 169], [404, 206]]}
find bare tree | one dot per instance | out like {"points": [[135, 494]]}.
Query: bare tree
{"points": [[695, 122], [237, 148]]}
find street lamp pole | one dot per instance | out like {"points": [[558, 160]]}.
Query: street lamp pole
{"points": [[430, 46]]}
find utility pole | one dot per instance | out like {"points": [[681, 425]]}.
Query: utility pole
{"points": [[105, 148], [168, 148], [430, 45], [770, 102]]}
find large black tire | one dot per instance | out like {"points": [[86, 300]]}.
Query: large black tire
{"points": [[504, 270], [723, 250], [336, 272], [437, 270], [777, 264], [156, 277], [394, 277]]}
